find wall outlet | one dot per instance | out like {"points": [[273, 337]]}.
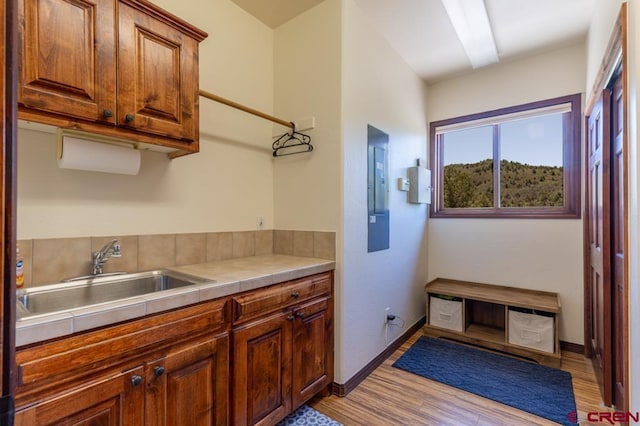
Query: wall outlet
{"points": [[260, 222], [387, 311]]}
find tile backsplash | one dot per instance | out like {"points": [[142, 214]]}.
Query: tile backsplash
{"points": [[54, 259]]}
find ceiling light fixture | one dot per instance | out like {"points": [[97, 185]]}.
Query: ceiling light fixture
{"points": [[471, 23]]}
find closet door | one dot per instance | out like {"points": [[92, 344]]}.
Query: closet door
{"points": [[619, 229], [599, 208]]}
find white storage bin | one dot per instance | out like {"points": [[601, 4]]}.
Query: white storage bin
{"points": [[531, 330], [445, 313]]}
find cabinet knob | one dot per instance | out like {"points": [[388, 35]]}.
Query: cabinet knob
{"points": [[295, 295], [299, 315], [158, 371], [136, 380], [107, 113], [129, 118], [290, 318]]}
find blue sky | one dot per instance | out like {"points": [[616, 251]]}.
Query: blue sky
{"points": [[535, 141]]}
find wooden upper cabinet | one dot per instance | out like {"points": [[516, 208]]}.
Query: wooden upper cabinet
{"points": [[157, 76], [122, 68], [68, 57]]}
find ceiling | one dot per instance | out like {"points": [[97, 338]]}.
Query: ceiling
{"points": [[274, 13], [420, 30]]}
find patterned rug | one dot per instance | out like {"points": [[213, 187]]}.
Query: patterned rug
{"points": [[306, 415]]}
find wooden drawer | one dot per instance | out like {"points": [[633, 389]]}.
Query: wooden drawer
{"points": [[71, 358], [261, 302]]}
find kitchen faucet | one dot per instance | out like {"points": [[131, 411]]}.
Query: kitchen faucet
{"points": [[99, 258]]}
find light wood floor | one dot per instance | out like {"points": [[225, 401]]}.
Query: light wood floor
{"points": [[390, 396]]}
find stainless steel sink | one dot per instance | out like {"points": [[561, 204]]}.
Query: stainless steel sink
{"points": [[100, 289]]}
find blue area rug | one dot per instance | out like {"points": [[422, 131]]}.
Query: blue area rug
{"points": [[306, 415], [543, 391]]}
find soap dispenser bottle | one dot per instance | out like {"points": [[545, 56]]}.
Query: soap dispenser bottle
{"points": [[19, 269]]}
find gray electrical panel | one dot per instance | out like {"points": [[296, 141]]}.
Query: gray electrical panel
{"points": [[378, 189]]}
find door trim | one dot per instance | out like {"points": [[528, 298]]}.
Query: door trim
{"points": [[8, 110], [614, 54]]}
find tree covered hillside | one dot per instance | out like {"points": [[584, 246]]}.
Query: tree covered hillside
{"points": [[522, 185]]}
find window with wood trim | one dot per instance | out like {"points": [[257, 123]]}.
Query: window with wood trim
{"points": [[521, 162]]}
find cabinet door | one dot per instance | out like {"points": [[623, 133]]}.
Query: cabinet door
{"points": [[115, 400], [157, 76], [312, 350], [262, 371], [67, 62], [190, 385]]}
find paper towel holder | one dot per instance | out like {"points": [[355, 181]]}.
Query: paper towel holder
{"points": [[94, 138], [97, 147]]}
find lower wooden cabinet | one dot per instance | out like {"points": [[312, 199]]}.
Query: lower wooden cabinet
{"points": [[312, 356], [189, 386], [281, 361], [113, 400], [156, 370], [175, 368], [262, 372]]}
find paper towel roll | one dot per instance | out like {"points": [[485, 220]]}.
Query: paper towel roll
{"points": [[82, 154]]}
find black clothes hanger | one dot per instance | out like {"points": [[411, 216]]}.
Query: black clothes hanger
{"points": [[292, 143]]}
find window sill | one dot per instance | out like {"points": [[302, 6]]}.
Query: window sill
{"points": [[504, 214]]}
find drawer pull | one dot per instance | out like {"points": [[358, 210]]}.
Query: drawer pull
{"points": [[158, 371], [295, 294], [290, 318], [136, 380], [107, 113], [129, 118], [299, 315]]}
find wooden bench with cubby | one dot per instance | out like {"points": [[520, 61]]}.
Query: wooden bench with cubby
{"points": [[517, 321]]}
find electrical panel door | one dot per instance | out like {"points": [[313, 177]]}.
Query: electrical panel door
{"points": [[378, 189]]}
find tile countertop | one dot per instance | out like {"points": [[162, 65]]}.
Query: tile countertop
{"points": [[231, 276]]}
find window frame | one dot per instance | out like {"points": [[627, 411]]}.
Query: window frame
{"points": [[571, 166]]}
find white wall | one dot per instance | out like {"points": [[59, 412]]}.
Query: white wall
{"points": [[543, 254], [224, 187], [379, 89], [351, 78], [307, 84], [307, 187]]}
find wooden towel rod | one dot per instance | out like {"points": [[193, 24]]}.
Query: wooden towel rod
{"points": [[236, 105]]}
